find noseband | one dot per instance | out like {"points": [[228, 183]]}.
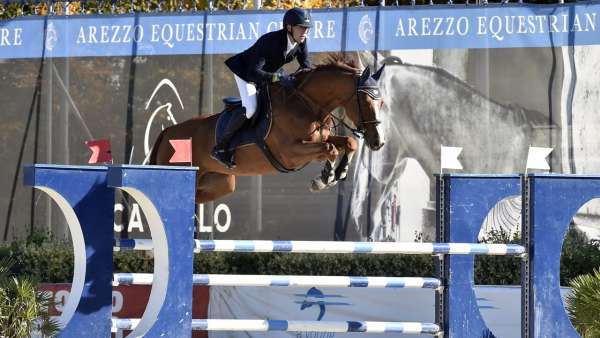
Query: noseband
{"points": [[373, 92]]}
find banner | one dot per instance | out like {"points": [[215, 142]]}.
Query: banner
{"points": [[492, 26], [492, 80]]}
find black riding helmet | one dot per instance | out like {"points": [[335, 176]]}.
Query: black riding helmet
{"points": [[297, 17]]}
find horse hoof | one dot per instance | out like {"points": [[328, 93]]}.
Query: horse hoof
{"points": [[317, 185]]}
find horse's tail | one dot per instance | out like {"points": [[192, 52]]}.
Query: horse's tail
{"points": [[154, 151]]}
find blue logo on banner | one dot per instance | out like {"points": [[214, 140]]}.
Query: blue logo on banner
{"points": [[387, 28], [315, 297]]}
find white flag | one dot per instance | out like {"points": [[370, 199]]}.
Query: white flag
{"points": [[449, 157], [536, 158]]}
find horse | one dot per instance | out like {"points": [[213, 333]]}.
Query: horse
{"points": [[425, 108], [300, 129]]}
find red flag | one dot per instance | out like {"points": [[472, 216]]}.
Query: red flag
{"points": [[100, 151], [183, 151]]}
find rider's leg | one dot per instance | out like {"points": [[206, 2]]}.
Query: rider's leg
{"points": [[238, 119]]}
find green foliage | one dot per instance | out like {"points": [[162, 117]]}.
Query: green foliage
{"points": [[33, 7], [579, 255], [23, 309], [583, 304], [51, 261]]}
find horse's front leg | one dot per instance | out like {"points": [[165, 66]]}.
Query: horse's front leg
{"points": [[330, 176], [307, 151]]}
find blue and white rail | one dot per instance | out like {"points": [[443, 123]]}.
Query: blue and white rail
{"points": [[289, 281], [338, 247], [296, 326]]}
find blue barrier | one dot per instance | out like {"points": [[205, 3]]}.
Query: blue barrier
{"points": [[463, 202], [553, 201], [86, 201], [85, 195]]}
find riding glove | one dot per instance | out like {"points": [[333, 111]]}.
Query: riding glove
{"points": [[287, 81]]}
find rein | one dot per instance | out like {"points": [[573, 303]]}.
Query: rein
{"points": [[360, 130]]}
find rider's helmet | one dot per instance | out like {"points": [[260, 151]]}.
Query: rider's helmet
{"points": [[297, 17]]}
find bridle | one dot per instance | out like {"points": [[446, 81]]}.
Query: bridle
{"points": [[371, 90]]}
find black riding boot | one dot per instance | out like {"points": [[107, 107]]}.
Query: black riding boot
{"points": [[221, 152]]}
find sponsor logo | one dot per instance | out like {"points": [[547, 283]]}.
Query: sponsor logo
{"points": [[365, 29], [315, 298], [51, 36]]}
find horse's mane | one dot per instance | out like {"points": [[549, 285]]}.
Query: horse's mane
{"points": [[334, 61], [340, 61]]}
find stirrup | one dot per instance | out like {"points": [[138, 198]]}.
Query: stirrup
{"points": [[216, 155]]}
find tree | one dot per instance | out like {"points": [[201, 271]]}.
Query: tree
{"points": [[583, 304], [23, 309]]}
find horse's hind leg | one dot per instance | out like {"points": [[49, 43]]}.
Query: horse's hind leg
{"points": [[211, 186], [330, 176]]}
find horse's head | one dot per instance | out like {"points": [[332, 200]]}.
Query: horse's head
{"points": [[368, 103], [340, 83]]}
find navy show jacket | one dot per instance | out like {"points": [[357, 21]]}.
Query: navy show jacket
{"points": [[266, 56]]}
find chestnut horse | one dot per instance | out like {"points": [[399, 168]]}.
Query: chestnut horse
{"points": [[299, 132]]}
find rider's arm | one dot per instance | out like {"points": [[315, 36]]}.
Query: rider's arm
{"points": [[302, 57], [256, 62], [258, 75]]}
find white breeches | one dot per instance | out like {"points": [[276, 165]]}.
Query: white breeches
{"points": [[247, 94]]}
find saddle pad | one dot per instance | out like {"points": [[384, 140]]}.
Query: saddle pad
{"points": [[249, 134]]}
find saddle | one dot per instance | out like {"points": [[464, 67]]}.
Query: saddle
{"points": [[252, 133], [255, 132]]}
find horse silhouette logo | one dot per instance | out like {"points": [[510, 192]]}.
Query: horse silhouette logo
{"points": [[315, 297], [164, 113]]}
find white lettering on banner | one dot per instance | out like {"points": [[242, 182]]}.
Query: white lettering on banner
{"points": [[317, 30], [221, 32], [135, 218], [330, 29], [18, 37], [441, 26], [210, 30], [115, 34], [499, 27], [315, 335], [4, 37], [103, 34], [495, 26], [109, 34], [170, 34], [274, 25], [11, 37], [60, 299], [118, 208], [117, 301], [62, 296], [254, 29], [220, 227]]}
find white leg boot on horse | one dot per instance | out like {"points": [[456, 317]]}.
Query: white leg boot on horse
{"points": [[329, 177]]}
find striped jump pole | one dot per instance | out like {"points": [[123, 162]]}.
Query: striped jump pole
{"points": [[298, 326], [290, 281], [331, 247]]}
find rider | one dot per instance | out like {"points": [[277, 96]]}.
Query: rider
{"points": [[259, 65]]}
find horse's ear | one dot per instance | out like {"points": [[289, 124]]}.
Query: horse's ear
{"points": [[366, 74], [377, 75]]}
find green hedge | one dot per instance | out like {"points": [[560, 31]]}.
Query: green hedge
{"points": [[52, 261]]}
